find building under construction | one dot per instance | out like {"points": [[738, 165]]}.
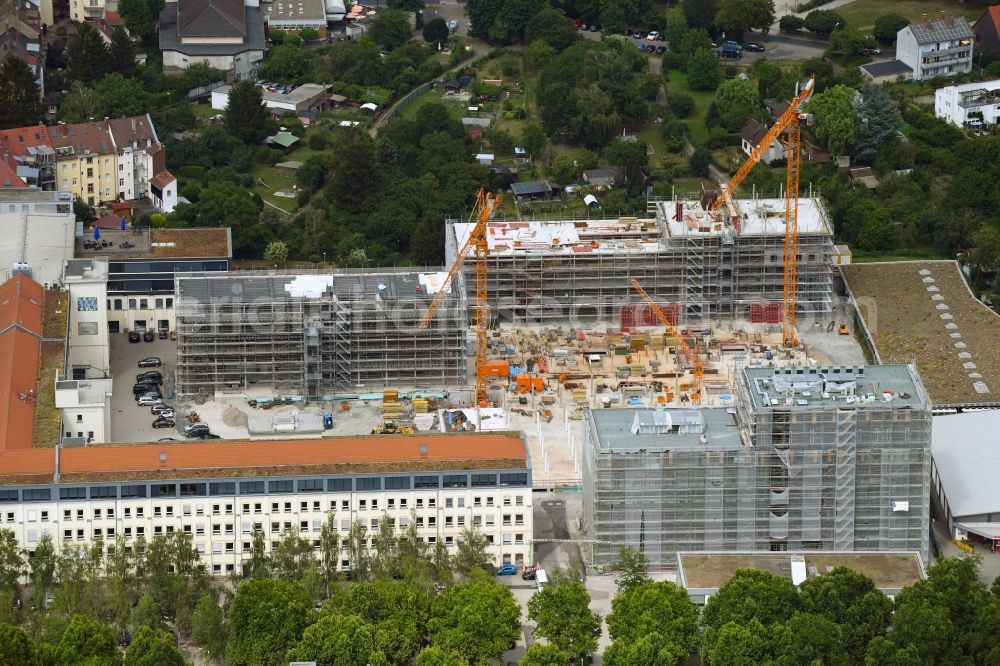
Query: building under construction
{"points": [[823, 459], [317, 335], [696, 265]]}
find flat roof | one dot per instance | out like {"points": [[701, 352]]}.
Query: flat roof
{"points": [[761, 216], [966, 453], [632, 430], [887, 68], [975, 85], [295, 10], [330, 455], [710, 571], [868, 387], [923, 312], [201, 243], [304, 93], [32, 194]]}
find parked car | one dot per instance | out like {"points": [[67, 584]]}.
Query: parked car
{"points": [[869, 52], [133, 336], [165, 414], [734, 54], [164, 334], [209, 435], [507, 569], [147, 400], [153, 375], [150, 362], [653, 36], [452, 25], [661, 49], [528, 574], [196, 429], [595, 28], [143, 388], [148, 336], [164, 422], [754, 48], [650, 48], [160, 408]]}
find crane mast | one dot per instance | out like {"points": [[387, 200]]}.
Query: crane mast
{"points": [[697, 367]]}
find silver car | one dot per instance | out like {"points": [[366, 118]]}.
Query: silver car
{"points": [[453, 25]]}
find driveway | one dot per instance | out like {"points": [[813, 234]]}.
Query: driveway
{"points": [[129, 422]]}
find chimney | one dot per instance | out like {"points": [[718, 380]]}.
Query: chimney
{"points": [[925, 18]]}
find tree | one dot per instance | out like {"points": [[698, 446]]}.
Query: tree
{"points": [[20, 97], [649, 650], [15, 646], [390, 29], [293, 553], [276, 253], [43, 566], [482, 15], [471, 554], [329, 548], [87, 642], [880, 120], [266, 619], [259, 565], [633, 569], [357, 551], [435, 656], [703, 70], [141, 16], [848, 40], [284, 63], [986, 249], [514, 19], [309, 34], [122, 52], [336, 639], [11, 562], [147, 613], [771, 80], [544, 655], [809, 639], [385, 547], [737, 101], [477, 620], [661, 608], [680, 104], [835, 120], [887, 26], [790, 23], [774, 600], [153, 647], [210, 631], [631, 159], [823, 21], [435, 31], [563, 616], [613, 20], [398, 613], [533, 140], [701, 13], [850, 600], [552, 27], [740, 645], [87, 57], [500, 140], [739, 16], [122, 97], [245, 112]]}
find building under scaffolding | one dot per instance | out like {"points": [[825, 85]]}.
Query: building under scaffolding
{"points": [[704, 267], [316, 335], [827, 459]]}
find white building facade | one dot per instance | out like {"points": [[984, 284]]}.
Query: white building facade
{"points": [[969, 104], [39, 230], [936, 48]]}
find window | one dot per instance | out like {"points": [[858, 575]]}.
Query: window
{"points": [[449, 521], [158, 303], [199, 530], [143, 304], [77, 493], [97, 514], [156, 511], [192, 489], [456, 480], [362, 504], [163, 490], [86, 304], [133, 491], [369, 483], [310, 485], [449, 540], [519, 500], [222, 488], [7, 495], [426, 481], [345, 505], [275, 527], [103, 492], [402, 503], [37, 494], [420, 502], [431, 521], [489, 521], [251, 487], [519, 519], [397, 483], [420, 521], [506, 520], [139, 512], [461, 521], [484, 480], [506, 501], [111, 513], [374, 523], [288, 507], [392, 503], [514, 479], [279, 486], [216, 509], [216, 529], [375, 504]]}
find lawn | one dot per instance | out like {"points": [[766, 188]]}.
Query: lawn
{"points": [[677, 83], [861, 14], [456, 108]]}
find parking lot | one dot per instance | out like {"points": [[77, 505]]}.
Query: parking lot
{"points": [[129, 422]]}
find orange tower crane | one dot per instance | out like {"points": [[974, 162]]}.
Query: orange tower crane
{"points": [[486, 205], [697, 367], [791, 123]]}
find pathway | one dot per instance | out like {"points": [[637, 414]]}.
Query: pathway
{"points": [[715, 172]]}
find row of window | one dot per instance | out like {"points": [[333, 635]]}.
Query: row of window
{"points": [[141, 303], [392, 504], [343, 484]]}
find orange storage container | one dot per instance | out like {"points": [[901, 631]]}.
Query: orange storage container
{"points": [[496, 368]]}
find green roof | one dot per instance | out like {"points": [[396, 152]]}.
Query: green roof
{"points": [[284, 139]]}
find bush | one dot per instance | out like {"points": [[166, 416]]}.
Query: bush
{"points": [[680, 104], [309, 34], [435, 31], [887, 26], [823, 21], [318, 140], [192, 171], [790, 23], [699, 162]]}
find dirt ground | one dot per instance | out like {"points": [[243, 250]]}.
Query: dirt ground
{"points": [[923, 312]]}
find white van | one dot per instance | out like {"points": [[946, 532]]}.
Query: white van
{"points": [[541, 579]]}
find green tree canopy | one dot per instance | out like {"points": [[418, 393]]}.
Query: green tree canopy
{"points": [[887, 26], [141, 16], [210, 631], [15, 646], [87, 642], [544, 655], [245, 113], [809, 639], [790, 23], [613, 21], [122, 52], [848, 40], [739, 16], [552, 27], [700, 13], [823, 21], [266, 619], [836, 121], [87, 56], [737, 101], [633, 569], [752, 594], [482, 15], [153, 647], [397, 611], [390, 29], [336, 640], [850, 600], [20, 97], [477, 620], [703, 70], [880, 122], [661, 608], [563, 616], [284, 63], [739, 645], [435, 30]]}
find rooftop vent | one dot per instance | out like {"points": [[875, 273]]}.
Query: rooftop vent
{"points": [[423, 450], [163, 457]]}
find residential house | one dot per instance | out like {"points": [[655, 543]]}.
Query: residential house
{"points": [[942, 47], [986, 31], [865, 176], [969, 104], [142, 168], [26, 48], [82, 11], [301, 99], [751, 137], [86, 164], [224, 34], [886, 72], [27, 150]]}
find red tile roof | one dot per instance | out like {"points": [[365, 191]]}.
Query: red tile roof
{"points": [[994, 13], [9, 177], [16, 142], [162, 179], [90, 137], [20, 342]]}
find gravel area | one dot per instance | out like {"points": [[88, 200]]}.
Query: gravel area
{"points": [[923, 312]]}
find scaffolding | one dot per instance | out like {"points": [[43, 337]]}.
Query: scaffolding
{"points": [[316, 334], [556, 271], [807, 460]]}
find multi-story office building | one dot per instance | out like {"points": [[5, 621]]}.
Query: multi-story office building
{"points": [[936, 48], [39, 233], [220, 492], [828, 459]]}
